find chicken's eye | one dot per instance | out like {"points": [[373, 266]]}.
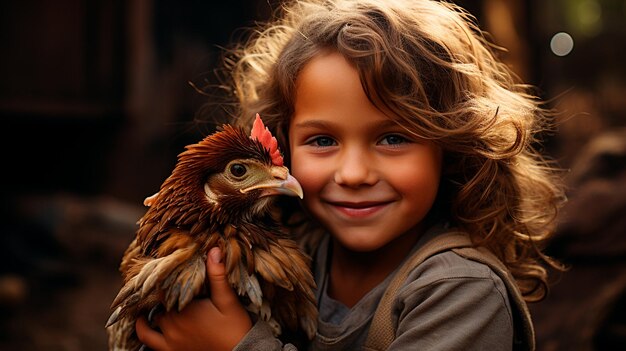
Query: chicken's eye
{"points": [[238, 170]]}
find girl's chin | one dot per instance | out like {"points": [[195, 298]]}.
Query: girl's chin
{"points": [[359, 242], [369, 239]]}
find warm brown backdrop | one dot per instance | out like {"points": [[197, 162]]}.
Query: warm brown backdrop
{"points": [[95, 104]]}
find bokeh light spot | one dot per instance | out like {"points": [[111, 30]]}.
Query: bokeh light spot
{"points": [[561, 44]]}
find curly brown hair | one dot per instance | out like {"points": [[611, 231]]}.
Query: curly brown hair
{"points": [[432, 69]]}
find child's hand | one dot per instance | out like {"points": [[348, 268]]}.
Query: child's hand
{"points": [[218, 323]]}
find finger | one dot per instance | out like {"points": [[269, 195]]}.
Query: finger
{"points": [[222, 295], [149, 336]]}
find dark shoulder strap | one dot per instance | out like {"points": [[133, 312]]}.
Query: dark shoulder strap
{"points": [[524, 337], [382, 329]]}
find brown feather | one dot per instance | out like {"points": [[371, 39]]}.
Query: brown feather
{"points": [[271, 269]]}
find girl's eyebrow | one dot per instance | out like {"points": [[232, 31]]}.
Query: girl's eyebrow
{"points": [[323, 124], [387, 123], [314, 123]]}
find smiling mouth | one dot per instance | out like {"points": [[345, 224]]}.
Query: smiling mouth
{"points": [[358, 209]]}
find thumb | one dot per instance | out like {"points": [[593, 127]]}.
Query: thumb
{"points": [[222, 295]]}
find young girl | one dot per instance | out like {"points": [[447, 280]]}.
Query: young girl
{"points": [[402, 127]]}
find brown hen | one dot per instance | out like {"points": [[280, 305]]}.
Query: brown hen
{"points": [[219, 194]]}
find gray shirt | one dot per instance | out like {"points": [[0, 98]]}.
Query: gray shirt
{"points": [[447, 303]]}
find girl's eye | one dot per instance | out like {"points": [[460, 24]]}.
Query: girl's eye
{"points": [[393, 139], [323, 141]]}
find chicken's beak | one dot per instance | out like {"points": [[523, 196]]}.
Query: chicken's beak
{"points": [[289, 186], [282, 183]]}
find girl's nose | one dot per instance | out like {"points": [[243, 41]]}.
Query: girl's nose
{"points": [[355, 169]]}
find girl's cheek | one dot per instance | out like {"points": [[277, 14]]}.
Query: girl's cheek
{"points": [[310, 172], [302, 172]]}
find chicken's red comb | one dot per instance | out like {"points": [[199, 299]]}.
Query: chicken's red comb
{"points": [[264, 136]]}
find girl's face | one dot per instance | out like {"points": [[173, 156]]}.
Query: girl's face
{"points": [[364, 178]]}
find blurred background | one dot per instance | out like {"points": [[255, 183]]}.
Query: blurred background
{"points": [[96, 102]]}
